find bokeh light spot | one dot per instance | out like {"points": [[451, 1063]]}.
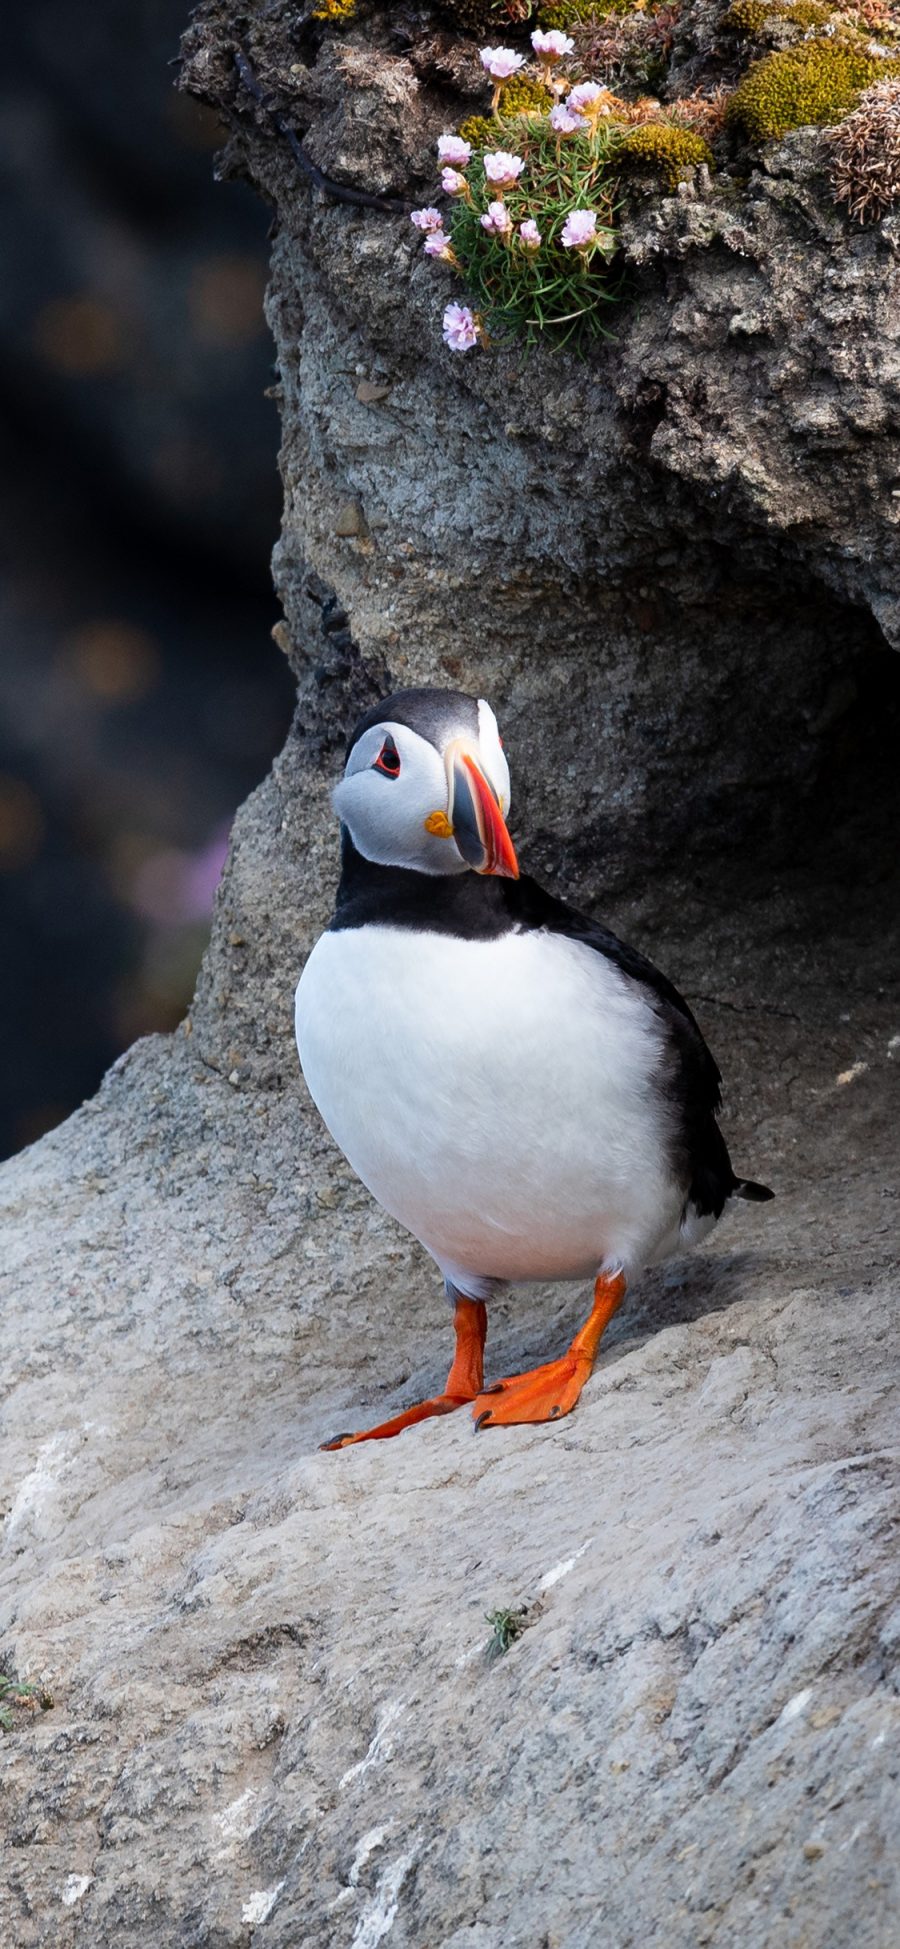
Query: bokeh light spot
{"points": [[114, 660], [22, 824], [226, 300], [80, 336], [171, 886]]}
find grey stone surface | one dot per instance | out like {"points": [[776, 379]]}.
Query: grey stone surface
{"points": [[274, 1720]]}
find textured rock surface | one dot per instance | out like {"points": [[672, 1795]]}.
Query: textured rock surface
{"points": [[274, 1719]]}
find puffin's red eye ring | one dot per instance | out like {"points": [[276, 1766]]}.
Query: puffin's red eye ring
{"points": [[388, 759]]}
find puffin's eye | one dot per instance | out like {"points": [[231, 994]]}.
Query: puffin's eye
{"points": [[388, 759]]}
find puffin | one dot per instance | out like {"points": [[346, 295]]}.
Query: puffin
{"points": [[524, 1093]]}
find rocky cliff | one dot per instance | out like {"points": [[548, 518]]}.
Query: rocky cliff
{"points": [[672, 567]]}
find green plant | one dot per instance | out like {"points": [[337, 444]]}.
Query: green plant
{"points": [[820, 81], [15, 1691], [488, 19], [665, 149], [554, 288], [632, 47], [506, 1627]]}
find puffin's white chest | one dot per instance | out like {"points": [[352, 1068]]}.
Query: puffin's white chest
{"points": [[503, 1098]]}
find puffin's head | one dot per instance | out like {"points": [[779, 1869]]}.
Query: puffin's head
{"points": [[426, 785]]}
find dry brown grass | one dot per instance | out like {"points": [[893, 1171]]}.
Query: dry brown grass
{"points": [[865, 154]]}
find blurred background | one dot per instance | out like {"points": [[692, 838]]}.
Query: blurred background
{"points": [[141, 696]]}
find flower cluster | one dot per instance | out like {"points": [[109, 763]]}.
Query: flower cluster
{"points": [[531, 225]]}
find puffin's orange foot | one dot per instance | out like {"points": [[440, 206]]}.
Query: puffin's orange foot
{"points": [[547, 1393], [423, 1411], [544, 1394]]}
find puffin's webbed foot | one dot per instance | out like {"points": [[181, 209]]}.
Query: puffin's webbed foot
{"points": [[464, 1381], [548, 1393]]}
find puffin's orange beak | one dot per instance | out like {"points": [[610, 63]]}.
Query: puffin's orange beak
{"points": [[479, 828]]}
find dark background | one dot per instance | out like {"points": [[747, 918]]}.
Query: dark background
{"points": [[141, 696]]}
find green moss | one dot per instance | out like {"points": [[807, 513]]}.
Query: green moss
{"points": [[668, 151], [752, 16], [820, 81]]}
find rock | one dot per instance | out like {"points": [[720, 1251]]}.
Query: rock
{"points": [[275, 1714]]}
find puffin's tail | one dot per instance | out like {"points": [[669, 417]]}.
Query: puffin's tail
{"points": [[755, 1194]]}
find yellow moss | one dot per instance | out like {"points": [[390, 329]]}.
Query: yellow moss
{"points": [[752, 16], [820, 81], [480, 130], [666, 150], [523, 96], [335, 10]]}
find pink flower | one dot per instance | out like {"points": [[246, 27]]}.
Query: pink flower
{"points": [[460, 329], [586, 99], [579, 229], [563, 122], [453, 184], [427, 219], [529, 234], [497, 220], [501, 62], [437, 244], [452, 148], [503, 170], [553, 46]]}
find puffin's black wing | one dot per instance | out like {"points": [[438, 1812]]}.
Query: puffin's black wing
{"points": [[694, 1085]]}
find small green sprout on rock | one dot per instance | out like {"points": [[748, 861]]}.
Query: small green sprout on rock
{"points": [[16, 1692], [506, 1627]]}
